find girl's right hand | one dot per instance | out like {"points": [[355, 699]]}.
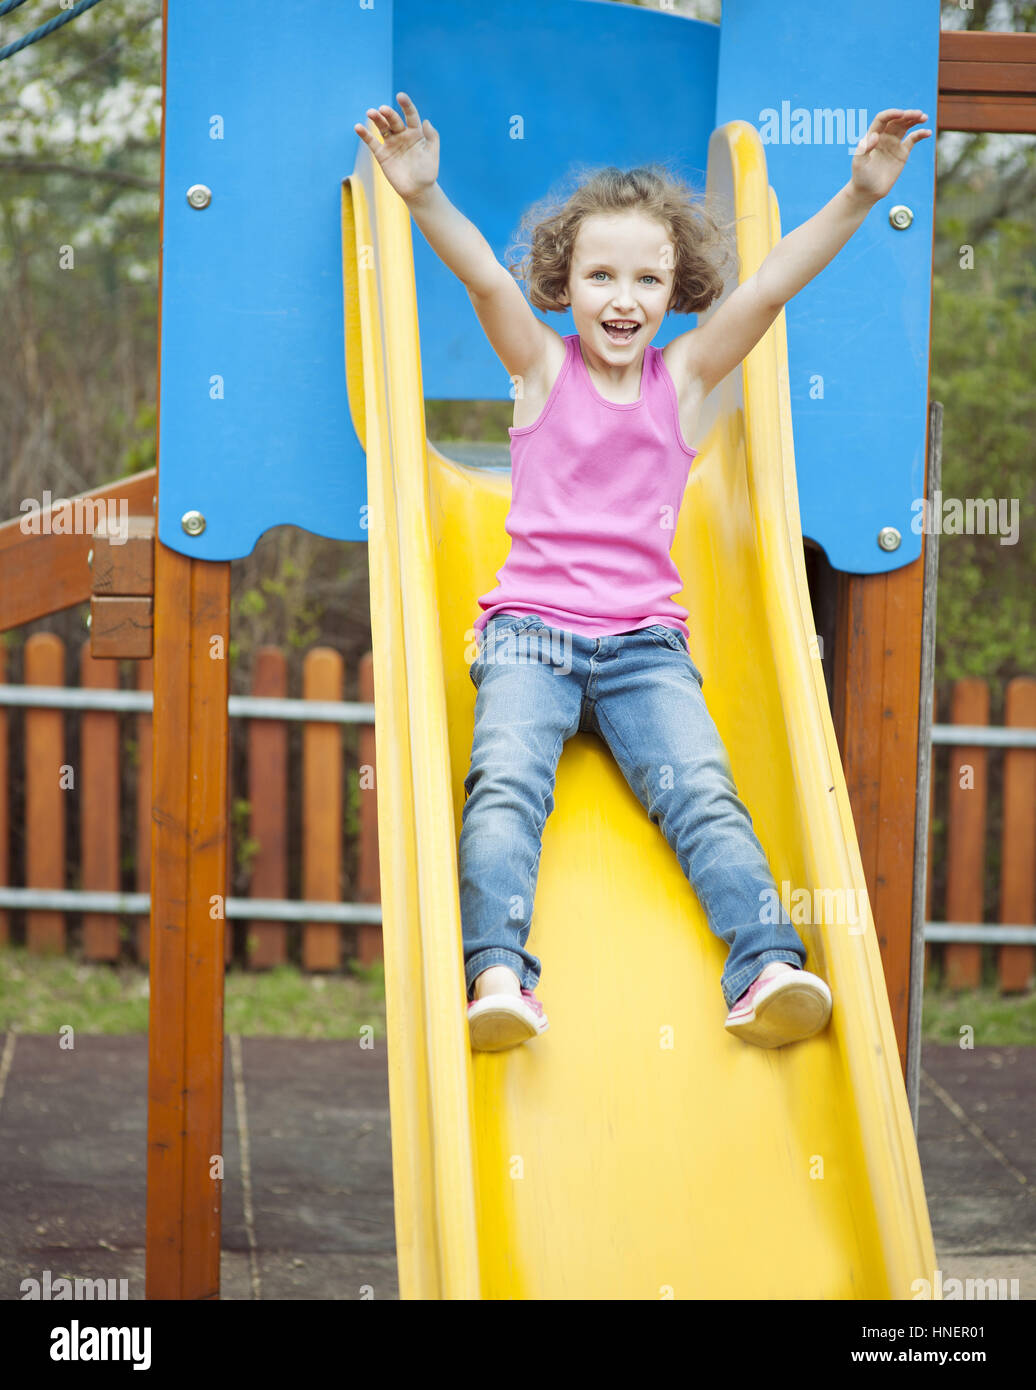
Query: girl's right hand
{"points": [[409, 154]]}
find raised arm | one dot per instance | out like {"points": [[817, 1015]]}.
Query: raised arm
{"points": [[718, 345], [409, 158]]}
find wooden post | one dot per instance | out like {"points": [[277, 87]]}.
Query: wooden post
{"points": [[142, 726], [876, 694], [924, 778], [188, 896]]}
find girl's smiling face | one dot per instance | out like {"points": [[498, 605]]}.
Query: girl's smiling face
{"points": [[621, 272]]}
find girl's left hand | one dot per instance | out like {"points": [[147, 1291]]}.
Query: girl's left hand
{"points": [[882, 153]]}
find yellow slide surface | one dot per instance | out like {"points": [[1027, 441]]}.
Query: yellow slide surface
{"points": [[635, 1150]]}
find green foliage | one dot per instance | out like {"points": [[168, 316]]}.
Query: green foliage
{"points": [[246, 847], [982, 368], [352, 803], [141, 449], [79, 199]]}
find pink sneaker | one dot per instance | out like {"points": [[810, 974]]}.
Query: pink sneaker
{"points": [[783, 1005], [499, 1021]]}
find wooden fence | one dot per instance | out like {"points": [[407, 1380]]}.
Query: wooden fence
{"points": [[309, 826], [982, 845], [89, 772]]}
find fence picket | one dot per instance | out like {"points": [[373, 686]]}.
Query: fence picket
{"points": [[45, 800], [5, 806], [368, 872], [929, 874], [965, 843], [322, 679], [1018, 857], [99, 794], [267, 741]]}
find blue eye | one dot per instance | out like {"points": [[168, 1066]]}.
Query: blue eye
{"points": [[595, 273]]}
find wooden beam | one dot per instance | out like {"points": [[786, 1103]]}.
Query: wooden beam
{"points": [[125, 563], [987, 82], [43, 570], [188, 897], [121, 628]]}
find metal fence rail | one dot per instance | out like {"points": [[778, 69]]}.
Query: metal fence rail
{"points": [[296, 910], [357, 712], [983, 736], [139, 904], [981, 933], [142, 702]]}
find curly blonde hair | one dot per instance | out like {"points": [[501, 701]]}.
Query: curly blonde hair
{"points": [[703, 246]]}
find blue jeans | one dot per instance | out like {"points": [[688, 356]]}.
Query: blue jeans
{"points": [[641, 693]]}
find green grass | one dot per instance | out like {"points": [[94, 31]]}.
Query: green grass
{"points": [[998, 1020], [40, 994]]}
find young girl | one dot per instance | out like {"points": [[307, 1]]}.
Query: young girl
{"points": [[581, 632]]}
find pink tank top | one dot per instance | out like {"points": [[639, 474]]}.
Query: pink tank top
{"points": [[596, 489]]}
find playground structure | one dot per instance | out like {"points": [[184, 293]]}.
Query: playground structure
{"points": [[639, 1159]]}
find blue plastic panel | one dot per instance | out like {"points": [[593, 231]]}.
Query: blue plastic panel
{"points": [[254, 421], [858, 332], [255, 428], [582, 83]]}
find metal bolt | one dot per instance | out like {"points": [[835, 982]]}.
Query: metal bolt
{"points": [[901, 217], [193, 523], [889, 538], [199, 195]]}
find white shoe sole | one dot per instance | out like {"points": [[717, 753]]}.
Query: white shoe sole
{"points": [[499, 1021], [794, 1007]]}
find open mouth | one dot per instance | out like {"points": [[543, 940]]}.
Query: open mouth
{"points": [[621, 330]]}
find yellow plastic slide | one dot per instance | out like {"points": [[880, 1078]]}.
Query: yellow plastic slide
{"points": [[635, 1150]]}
